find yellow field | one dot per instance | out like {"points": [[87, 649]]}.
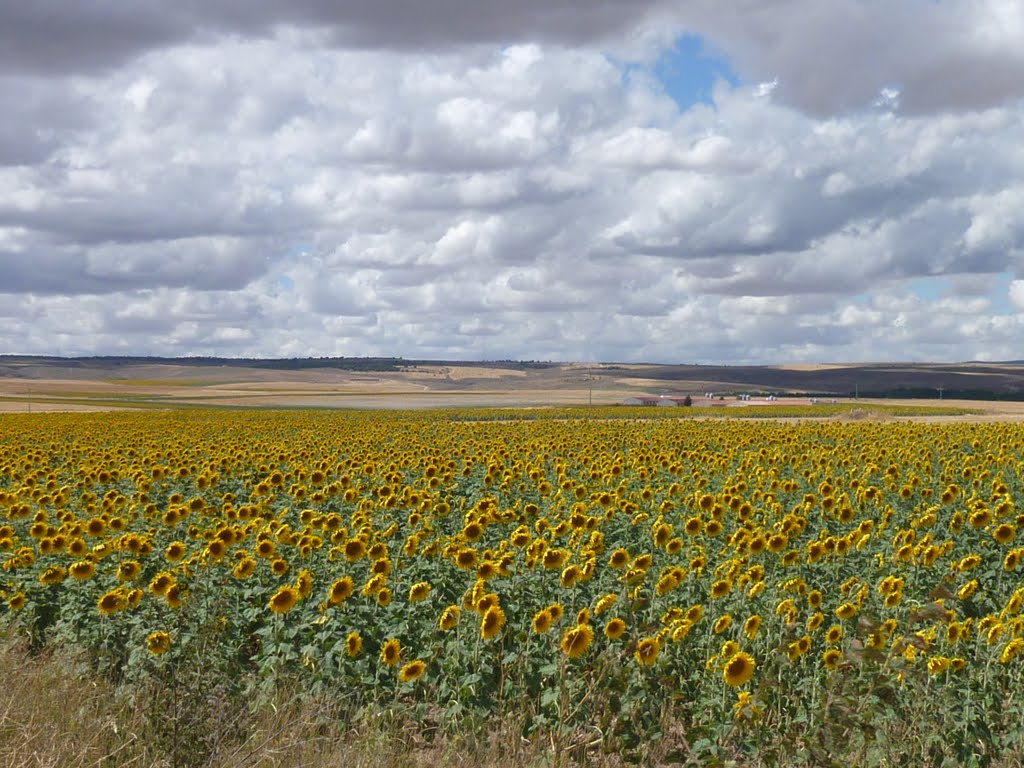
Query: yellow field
{"points": [[700, 590]]}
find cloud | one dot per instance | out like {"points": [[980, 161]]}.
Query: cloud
{"points": [[919, 55], [214, 184], [52, 36]]}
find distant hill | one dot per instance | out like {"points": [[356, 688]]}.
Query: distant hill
{"points": [[379, 364], [965, 381]]}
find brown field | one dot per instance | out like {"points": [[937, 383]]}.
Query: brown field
{"points": [[52, 386]]}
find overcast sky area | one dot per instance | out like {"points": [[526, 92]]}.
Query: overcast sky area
{"points": [[710, 181]]}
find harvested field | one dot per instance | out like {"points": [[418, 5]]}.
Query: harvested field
{"points": [[56, 385]]}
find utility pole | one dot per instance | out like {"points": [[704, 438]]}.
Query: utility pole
{"points": [[940, 388]]}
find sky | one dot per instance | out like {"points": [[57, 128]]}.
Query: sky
{"points": [[710, 181]]}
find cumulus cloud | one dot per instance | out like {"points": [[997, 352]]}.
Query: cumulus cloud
{"points": [[919, 55], [302, 180], [54, 36]]}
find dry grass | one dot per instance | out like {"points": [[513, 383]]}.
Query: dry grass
{"points": [[54, 713]]}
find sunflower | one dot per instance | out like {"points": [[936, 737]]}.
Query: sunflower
{"points": [[158, 643], [577, 640], [846, 611], [77, 547], [745, 707], [390, 652], [520, 537], [373, 585], [244, 568], [492, 622], [738, 669], [681, 630], [954, 631], [541, 622], [605, 603], [647, 651], [1014, 603], [265, 548], [969, 562], [304, 583], [473, 532], [341, 590], [486, 601], [980, 518], [555, 611], [967, 590], [790, 558], [175, 551], [875, 641], [487, 570], [618, 559], [111, 602], [384, 597], [938, 664], [284, 600], [554, 559], [804, 644], [751, 626], [729, 649], [82, 570], [174, 595], [571, 575], [720, 589], [353, 644], [412, 671], [1010, 650], [614, 629], [215, 549], [449, 618], [52, 575], [128, 570], [832, 658], [665, 584], [722, 623], [465, 558], [1004, 533], [354, 549], [16, 601], [834, 634]]}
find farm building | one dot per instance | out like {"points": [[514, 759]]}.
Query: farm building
{"points": [[663, 400]]}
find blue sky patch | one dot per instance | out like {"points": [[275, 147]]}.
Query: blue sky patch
{"points": [[689, 70]]}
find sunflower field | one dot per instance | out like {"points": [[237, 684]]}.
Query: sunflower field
{"points": [[714, 589]]}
